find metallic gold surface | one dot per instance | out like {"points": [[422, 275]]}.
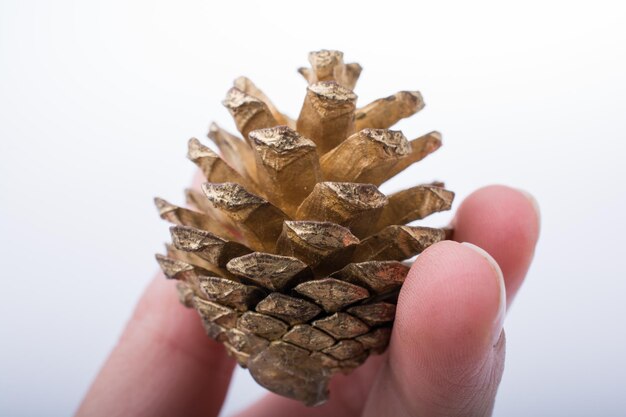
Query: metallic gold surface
{"points": [[247, 86], [249, 112], [329, 66], [216, 313], [322, 245], [291, 371], [290, 309], [345, 349], [385, 112], [420, 148], [274, 272], [397, 243], [365, 157], [379, 276], [185, 294], [308, 337], [414, 203], [230, 293], [374, 314], [206, 245], [332, 294], [327, 115], [214, 168], [182, 216], [290, 253], [355, 206], [341, 326], [259, 222], [235, 151], [287, 165], [262, 325], [202, 267]]}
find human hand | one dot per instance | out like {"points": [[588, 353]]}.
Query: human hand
{"points": [[445, 357]]}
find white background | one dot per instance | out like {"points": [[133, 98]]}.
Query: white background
{"points": [[98, 99]]}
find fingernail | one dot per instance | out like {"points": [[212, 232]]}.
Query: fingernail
{"points": [[499, 319], [533, 201]]}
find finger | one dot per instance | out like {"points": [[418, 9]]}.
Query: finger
{"points": [[504, 222], [163, 365], [347, 394], [447, 349]]}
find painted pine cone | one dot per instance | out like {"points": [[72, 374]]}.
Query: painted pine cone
{"points": [[290, 254]]}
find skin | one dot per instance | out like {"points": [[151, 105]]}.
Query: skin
{"points": [[445, 358]]}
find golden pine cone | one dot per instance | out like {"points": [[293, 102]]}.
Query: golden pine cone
{"points": [[291, 255]]}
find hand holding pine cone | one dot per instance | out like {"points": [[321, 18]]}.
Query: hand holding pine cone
{"points": [[291, 255]]}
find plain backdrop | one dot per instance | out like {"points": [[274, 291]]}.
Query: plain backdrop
{"points": [[98, 99]]}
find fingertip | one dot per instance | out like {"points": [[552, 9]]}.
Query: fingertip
{"points": [[505, 222], [450, 309], [535, 205], [499, 204], [499, 321]]}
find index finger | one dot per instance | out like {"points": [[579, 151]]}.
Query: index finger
{"points": [[164, 364]]}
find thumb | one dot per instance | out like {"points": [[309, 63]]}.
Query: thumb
{"points": [[446, 354]]}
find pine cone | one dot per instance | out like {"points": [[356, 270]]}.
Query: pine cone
{"points": [[291, 255]]}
